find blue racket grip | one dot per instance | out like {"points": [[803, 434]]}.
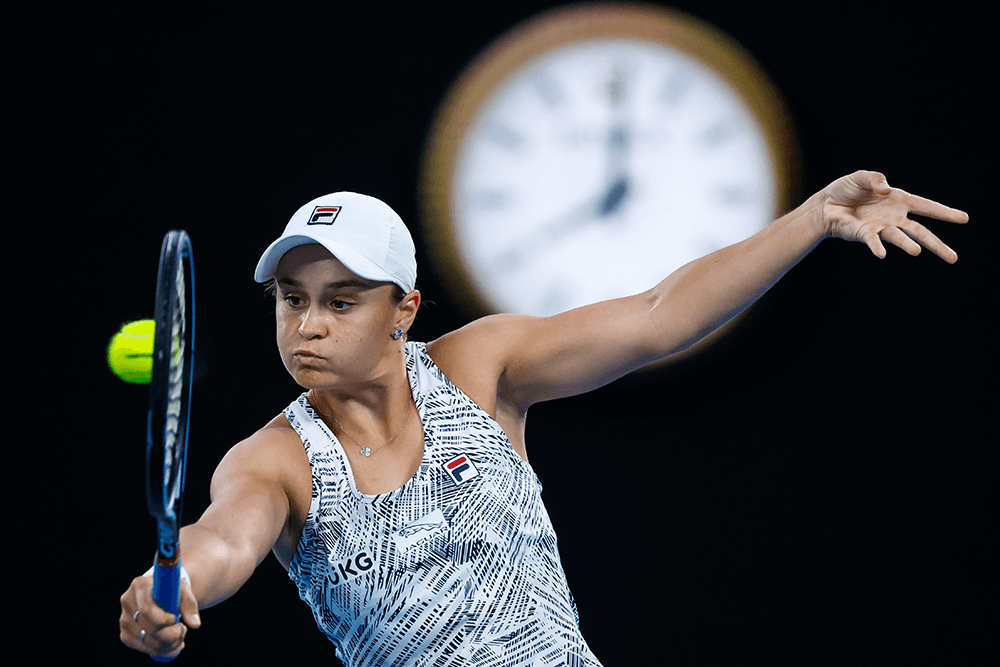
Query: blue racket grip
{"points": [[167, 590]]}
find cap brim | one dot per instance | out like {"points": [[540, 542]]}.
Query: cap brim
{"points": [[267, 266]]}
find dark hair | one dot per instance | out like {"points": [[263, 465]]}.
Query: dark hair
{"points": [[271, 287]]}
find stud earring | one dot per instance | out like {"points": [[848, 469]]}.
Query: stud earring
{"points": [[397, 334]]}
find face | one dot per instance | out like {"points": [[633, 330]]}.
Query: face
{"points": [[334, 328]]}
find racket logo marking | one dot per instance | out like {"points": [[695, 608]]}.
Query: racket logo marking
{"points": [[167, 541]]}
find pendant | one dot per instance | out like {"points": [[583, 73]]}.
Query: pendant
{"points": [[365, 451]]}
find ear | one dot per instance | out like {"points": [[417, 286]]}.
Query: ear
{"points": [[407, 310]]}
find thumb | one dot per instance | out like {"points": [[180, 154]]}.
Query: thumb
{"points": [[878, 183], [189, 607]]}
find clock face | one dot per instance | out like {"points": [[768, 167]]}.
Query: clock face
{"points": [[594, 168]]}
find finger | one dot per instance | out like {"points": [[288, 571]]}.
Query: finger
{"points": [[896, 237], [148, 628], [932, 209], [152, 612], [929, 240], [167, 641], [154, 618], [874, 243], [162, 641]]}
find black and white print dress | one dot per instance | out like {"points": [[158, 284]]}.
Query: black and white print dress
{"points": [[458, 567]]}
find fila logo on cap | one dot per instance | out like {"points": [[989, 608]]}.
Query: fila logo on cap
{"points": [[461, 469], [323, 215]]}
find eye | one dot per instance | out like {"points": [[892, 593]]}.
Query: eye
{"points": [[338, 304], [292, 300]]}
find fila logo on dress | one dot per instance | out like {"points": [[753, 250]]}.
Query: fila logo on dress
{"points": [[324, 215], [461, 469]]}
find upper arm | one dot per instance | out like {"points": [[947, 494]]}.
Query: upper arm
{"points": [[522, 360], [255, 504], [249, 505], [582, 349]]}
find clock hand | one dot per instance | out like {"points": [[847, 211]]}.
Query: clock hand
{"points": [[619, 141], [603, 207], [614, 197], [618, 145], [566, 224]]}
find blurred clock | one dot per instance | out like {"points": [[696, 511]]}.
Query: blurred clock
{"points": [[593, 150]]}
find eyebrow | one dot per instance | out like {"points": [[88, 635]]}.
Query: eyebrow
{"points": [[335, 285]]}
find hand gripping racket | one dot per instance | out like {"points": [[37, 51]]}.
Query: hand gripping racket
{"points": [[169, 408]]}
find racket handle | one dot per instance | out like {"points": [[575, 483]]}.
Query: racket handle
{"points": [[167, 589]]}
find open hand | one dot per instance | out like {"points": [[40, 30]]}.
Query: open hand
{"points": [[862, 207]]}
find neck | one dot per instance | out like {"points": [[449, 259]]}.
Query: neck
{"points": [[371, 412]]}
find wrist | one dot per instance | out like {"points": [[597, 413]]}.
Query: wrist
{"points": [[812, 214], [184, 574]]}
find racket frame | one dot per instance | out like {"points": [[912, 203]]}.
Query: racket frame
{"points": [[168, 418]]}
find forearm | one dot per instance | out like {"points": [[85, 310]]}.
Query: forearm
{"points": [[221, 550], [217, 567], [706, 293]]}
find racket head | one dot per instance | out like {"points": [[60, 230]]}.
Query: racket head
{"points": [[170, 389]]}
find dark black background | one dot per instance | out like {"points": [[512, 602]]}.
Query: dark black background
{"points": [[811, 491]]}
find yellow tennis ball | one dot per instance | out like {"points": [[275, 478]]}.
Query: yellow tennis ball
{"points": [[130, 353]]}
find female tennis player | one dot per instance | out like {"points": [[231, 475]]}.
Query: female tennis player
{"points": [[396, 490]]}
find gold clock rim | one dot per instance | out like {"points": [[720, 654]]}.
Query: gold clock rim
{"points": [[556, 28]]}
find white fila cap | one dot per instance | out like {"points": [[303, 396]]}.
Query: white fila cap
{"points": [[362, 232]]}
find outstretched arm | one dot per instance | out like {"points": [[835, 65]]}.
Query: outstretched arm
{"points": [[249, 513], [537, 359]]}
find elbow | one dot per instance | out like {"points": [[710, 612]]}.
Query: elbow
{"points": [[673, 327]]}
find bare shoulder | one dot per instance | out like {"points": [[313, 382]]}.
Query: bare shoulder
{"points": [[476, 356], [482, 341], [273, 455], [528, 359]]}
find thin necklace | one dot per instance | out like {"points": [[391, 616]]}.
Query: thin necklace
{"points": [[366, 451]]}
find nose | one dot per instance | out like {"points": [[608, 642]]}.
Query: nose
{"points": [[312, 325]]}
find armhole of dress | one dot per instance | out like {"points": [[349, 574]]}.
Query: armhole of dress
{"points": [[424, 363], [295, 413]]}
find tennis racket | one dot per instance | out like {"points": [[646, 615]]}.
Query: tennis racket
{"points": [[169, 410]]}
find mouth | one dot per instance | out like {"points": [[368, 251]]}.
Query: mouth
{"points": [[306, 356]]}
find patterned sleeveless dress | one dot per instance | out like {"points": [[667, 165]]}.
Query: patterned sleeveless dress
{"points": [[458, 567]]}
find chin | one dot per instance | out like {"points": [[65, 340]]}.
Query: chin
{"points": [[308, 377]]}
